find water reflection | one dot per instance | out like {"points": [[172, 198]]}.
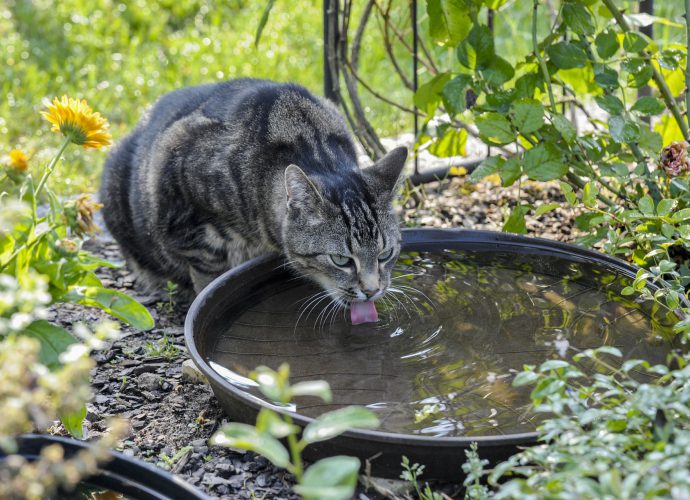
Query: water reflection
{"points": [[451, 336]]}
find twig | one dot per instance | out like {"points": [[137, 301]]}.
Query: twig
{"points": [[537, 53]]}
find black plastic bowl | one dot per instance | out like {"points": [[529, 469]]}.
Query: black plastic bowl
{"points": [[441, 455], [133, 478]]}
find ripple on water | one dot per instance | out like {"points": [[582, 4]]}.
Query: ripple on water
{"points": [[454, 330]]}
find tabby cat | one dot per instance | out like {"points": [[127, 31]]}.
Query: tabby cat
{"points": [[216, 174]]}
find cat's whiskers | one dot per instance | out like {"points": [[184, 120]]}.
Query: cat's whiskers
{"points": [[392, 295], [414, 290], [405, 276], [312, 302], [396, 290]]}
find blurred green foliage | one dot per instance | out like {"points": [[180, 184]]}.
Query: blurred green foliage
{"points": [[122, 55]]}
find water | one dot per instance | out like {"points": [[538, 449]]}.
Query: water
{"points": [[441, 359]]}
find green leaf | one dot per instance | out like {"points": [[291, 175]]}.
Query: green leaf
{"points": [[606, 77], [489, 166], [616, 424], [568, 193], [428, 96], [527, 115], [648, 105], [332, 424], [610, 103], [610, 350], [510, 171], [453, 94], [546, 207], [623, 130], [526, 85], [649, 141], [118, 304], [515, 223], [544, 163], [332, 478], [247, 437], [316, 388], [665, 206], [269, 421], [566, 55], [495, 128], [634, 42], [263, 21], [589, 194], [54, 341], [449, 21], [553, 364], [639, 71], [74, 422], [477, 50], [498, 72], [607, 44], [578, 18], [452, 143], [525, 378], [646, 205], [565, 128]]}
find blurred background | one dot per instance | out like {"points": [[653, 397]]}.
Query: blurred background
{"points": [[122, 55]]}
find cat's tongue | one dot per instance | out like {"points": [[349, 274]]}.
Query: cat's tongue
{"points": [[363, 312]]}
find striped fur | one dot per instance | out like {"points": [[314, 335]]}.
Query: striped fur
{"points": [[216, 174]]}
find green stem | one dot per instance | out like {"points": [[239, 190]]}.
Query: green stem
{"points": [[28, 246], [537, 53], [49, 169], [658, 77], [687, 62], [295, 451]]}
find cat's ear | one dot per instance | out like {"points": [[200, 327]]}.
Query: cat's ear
{"points": [[386, 172], [301, 191]]}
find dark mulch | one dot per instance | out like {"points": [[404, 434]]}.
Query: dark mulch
{"points": [[174, 417]]}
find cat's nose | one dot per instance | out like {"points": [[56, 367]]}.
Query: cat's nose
{"points": [[371, 294]]}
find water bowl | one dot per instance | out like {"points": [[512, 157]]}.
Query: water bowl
{"points": [[466, 311]]}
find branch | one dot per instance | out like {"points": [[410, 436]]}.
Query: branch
{"points": [[658, 77], [537, 53]]}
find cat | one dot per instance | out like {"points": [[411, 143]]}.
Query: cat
{"points": [[216, 174]]}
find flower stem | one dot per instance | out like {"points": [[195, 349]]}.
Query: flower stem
{"points": [[28, 246], [49, 169], [295, 451], [658, 77], [542, 63]]}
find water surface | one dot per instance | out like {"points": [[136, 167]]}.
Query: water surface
{"points": [[449, 341]]}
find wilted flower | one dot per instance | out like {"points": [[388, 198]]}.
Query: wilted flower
{"points": [[674, 159], [75, 119], [18, 160], [80, 214], [67, 246]]}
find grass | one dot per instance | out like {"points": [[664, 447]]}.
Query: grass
{"points": [[122, 55]]}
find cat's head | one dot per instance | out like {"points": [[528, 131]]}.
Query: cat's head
{"points": [[341, 231]]}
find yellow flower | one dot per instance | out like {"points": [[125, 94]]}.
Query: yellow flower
{"points": [[78, 122], [19, 160]]}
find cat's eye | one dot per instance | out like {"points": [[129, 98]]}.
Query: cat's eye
{"points": [[385, 255], [340, 260]]}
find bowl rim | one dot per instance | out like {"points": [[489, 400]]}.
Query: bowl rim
{"points": [[413, 239], [141, 479]]}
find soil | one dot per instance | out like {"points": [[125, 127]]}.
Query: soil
{"points": [[172, 417]]}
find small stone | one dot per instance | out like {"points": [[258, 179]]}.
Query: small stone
{"points": [[149, 381], [190, 373]]}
